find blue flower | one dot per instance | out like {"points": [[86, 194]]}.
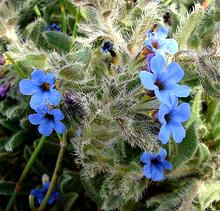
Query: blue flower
{"points": [[163, 80], [47, 120], [171, 119], [157, 42], [42, 87], [155, 165], [107, 47], [53, 27], [39, 194]]}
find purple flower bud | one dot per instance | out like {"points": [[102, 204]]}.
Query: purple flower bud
{"points": [[2, 60], [4, 90], [74, 106]]}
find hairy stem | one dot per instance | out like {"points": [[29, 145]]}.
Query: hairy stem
{"points": [[25, 172], [187, 202], [17, 68], [55, 173]]}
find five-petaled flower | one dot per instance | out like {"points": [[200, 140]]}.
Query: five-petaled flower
{"points": [[39, 194], [158, 42], [171, 118], [42, 87], [53, 27], [47, 119], [155, 165], [163, 80]]}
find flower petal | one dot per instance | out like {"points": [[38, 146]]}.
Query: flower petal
{"points": [[163, 153], [149, 57], [167, 165], [157, 63], [36, 192], [58, 115], [171, 46], [157, 172], [146, 157], [52, 198], [38, 76], [162, 32], [42, 109], [53, 97], [59, 127], [174, 73], [35, 119], [163, 110], [147, 79], [164, 96], [147, 169], [27, 87], [183, 112], [50, 78], [37, 100], [148, 44], [164, 134], [178, 131], [46, 127], [181, 90]]}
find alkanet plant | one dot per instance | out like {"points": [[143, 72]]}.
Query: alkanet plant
{"points": [[120, 112]]}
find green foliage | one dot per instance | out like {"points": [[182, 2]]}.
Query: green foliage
{"points": [[110, 119], [187, 148], [208, 194], [187, 26], [58, 40], [15, 141], [6, 188]]}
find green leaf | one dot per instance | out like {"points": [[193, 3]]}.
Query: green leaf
{"points": [[7, 188], [203, 153], [58, 40], [36, 61], [72, 72], [196, 109], [68, 201], [112, 202], [69, 181], [34, 31], [186, 149], [208, 194], [15, 141], [90, 190], [187, 26], [10, 125], [83, 55]]}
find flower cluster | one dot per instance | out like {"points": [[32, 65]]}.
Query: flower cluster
{"points": [[44, 95], [162, 79]]}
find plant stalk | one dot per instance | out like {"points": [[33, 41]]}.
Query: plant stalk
{"points": [[63, 16], [55, 173], [25, 172]]}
